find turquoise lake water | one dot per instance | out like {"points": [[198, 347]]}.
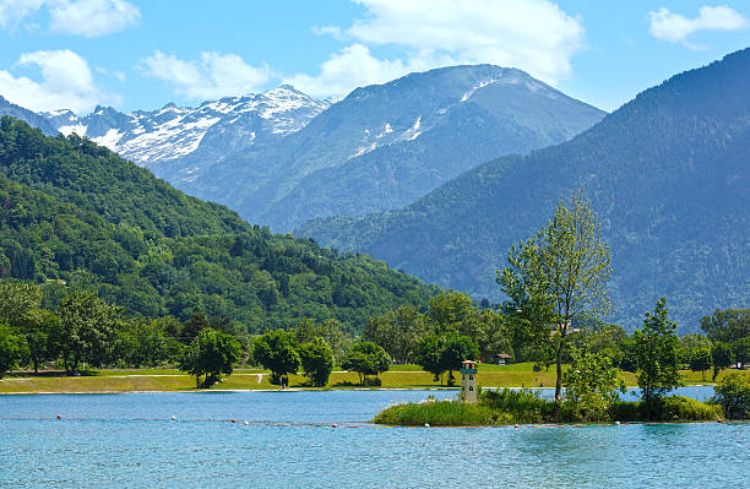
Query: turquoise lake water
{"points": [[129, 440]]}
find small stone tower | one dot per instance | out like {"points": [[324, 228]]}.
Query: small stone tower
{"points": [[469, 381]]}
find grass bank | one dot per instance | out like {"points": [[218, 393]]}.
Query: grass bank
{"points": [[399, 377]]}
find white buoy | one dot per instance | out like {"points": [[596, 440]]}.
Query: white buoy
{"points": [[516, 426], [173, 418], [246, 423], [617, 423], [334, 425], [427, 425]]}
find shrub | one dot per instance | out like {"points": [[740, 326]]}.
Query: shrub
{"points": [[672, 408], [592, 386], [442, 413], [626, 411], [680, 408], [521, 406], [733, 394]]}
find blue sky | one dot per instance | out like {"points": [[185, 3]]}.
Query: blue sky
{"points": [[142, 54]]}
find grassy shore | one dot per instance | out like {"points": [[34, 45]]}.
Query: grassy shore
{"points": [[399, 377]]}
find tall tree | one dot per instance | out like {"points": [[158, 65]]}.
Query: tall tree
{"points": [[721, 358], [731, 326], [17, 299], [429, 352], [398, 332], [211, 355], [194, 325], [38, 328], [12, 349], [317, 361], [657, 357], [556, 277], [366, 358], [455, 349], [277, 351], [87, 330]]}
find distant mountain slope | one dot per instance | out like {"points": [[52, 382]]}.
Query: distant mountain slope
{"points": [[32, 118], [207, 132], [668, 173], [384, 146], [75, 215]]}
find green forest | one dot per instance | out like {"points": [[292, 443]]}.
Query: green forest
{"points": [[76, 217]]}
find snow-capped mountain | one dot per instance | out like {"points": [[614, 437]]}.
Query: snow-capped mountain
{"points": [[385, 146], [10, 109], [213, 128], [282, 158]]}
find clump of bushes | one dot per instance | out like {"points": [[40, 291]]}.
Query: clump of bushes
{"points": [[442, 413], [681, 408], [733, 395], [672, 408], [520, 406]]}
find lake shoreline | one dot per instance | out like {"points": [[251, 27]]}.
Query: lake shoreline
{"points": [[266, 390]]}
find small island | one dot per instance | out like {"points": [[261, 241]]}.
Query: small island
{"points": [[592, 396]]}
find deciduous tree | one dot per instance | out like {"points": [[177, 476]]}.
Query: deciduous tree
{"points": [[658, 355], [556, 277], [277, 351], [211, 355], [317, 361], [366, 358]]}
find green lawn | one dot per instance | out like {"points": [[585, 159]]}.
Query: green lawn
{"points": [[400, 376]]}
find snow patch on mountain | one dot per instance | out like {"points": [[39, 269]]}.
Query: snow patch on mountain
{"points": [[78, 129], [172, 132], [413, 132], [468, 94]]}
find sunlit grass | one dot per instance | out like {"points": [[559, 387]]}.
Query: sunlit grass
{"points": [[399, 377]]}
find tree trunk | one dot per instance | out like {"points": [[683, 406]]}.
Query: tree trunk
{"points": [[36, 365], [558, 382]]}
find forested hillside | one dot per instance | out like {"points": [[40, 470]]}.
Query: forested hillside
{"points": [[76, 216], [667, 174]]}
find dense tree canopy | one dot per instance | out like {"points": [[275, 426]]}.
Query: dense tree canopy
{"points": [[75, 216]]}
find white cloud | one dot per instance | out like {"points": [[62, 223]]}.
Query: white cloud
{"points": [[92, 18], [13, 11], [214, 75], [672, 27], [87, 18], [66, 82], [535, 35], [351, 67]]}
